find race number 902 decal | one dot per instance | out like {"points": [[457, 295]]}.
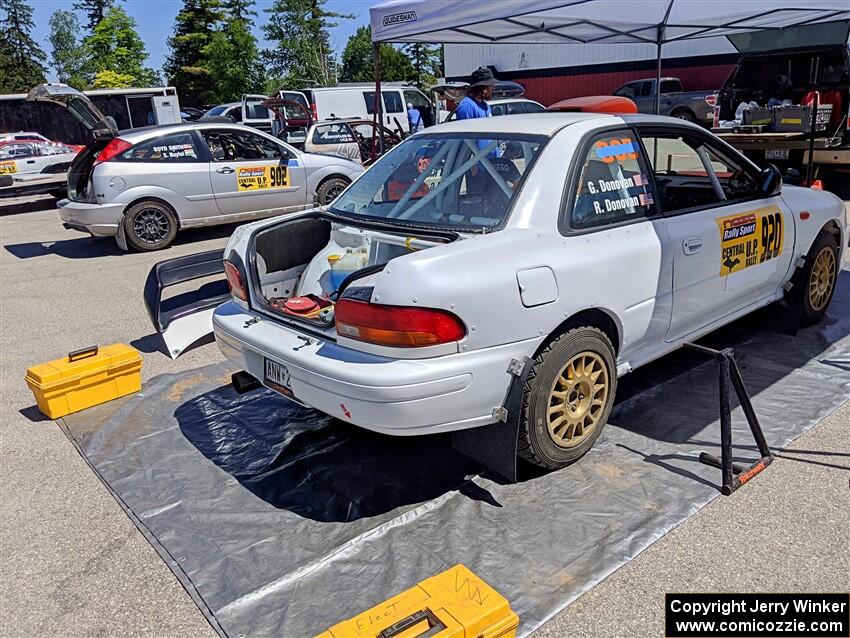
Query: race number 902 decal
{"points": [[750, 238], [260, 177]]}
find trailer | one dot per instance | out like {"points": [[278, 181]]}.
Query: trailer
{"points": [[130, 108], [808, 68]]}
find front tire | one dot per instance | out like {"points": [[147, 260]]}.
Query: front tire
{"points": [[150, 225], [815, 284], [567, 398], [329, 189]]}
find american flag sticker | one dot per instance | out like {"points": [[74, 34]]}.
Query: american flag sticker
{"points": [[640, 180], [645, 199]]}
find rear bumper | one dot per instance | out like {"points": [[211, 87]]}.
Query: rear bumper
{"points": [[392, 396], [98, 219]]}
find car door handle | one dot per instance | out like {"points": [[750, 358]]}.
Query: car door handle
{"points": [[692, 245], [30, 161], [225, 170]]}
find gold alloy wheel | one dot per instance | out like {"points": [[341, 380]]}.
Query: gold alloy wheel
{"points": [[822, 279], [577, 399]]}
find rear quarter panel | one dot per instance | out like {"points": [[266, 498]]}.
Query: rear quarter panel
{"points": [[185, 187]]}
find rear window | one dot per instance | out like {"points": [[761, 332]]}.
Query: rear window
{"points": [[177, 147], [671, 86], [332, 134], [216, 110], [462, 181]]}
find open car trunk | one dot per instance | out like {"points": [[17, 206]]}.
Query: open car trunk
{"points": [[100, 129], [301, 267]]}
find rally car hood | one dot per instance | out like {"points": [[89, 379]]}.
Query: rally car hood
{"points": [[100, 127]]}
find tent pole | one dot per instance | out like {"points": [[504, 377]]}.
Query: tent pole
{"points": [[378, 110], [659, 41]]}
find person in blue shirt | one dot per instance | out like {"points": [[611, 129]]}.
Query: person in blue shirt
{"points": [[474, 105], [414, 118]]}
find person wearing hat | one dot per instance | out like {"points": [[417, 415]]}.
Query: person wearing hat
{"points": [[414, 118], [474, 105]]}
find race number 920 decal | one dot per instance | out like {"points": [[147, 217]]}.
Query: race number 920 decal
{"points": [[750, 238], [254, 178]]}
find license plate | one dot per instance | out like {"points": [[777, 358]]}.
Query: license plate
{"points": [[277, 377], [776, 153]]}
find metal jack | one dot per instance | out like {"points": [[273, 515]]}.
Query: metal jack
{"points": [[734, 474]]}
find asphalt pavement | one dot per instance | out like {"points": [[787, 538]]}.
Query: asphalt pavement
{"points": [[72, 564]]}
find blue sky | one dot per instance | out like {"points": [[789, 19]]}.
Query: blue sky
{"points": [[155, 20]]}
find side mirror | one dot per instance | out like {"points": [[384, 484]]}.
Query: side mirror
{"points": [[770, 181]]}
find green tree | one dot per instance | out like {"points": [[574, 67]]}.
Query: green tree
{"points": [[115, 46], [66, 55], [303, 55], [94, 10], [427, 61], [186, 67], [358, 60], [232, 58], [21, 59]]}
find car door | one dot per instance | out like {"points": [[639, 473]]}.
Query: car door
{"points": [[712, 219], [255, 114], [612, 205], [254, 173]]}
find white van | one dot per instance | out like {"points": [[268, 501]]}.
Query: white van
{"points": [[358, 100]]}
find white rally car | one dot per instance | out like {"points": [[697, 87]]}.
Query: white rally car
{"points": [[582, 245]]}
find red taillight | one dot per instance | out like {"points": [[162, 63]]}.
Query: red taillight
{"points": [[314, 111], [115, 147], [399, 326], [235, 281], [711, 100]]}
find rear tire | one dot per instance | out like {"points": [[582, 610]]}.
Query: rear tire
{"points": [[814, 285], [150, 225], [683, 114], [567, 398], [329, 189]]}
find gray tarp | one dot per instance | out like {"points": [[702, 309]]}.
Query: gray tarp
{"points": [[281, 522]]}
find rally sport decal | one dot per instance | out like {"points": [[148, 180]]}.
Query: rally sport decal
{"points": [[7, 168], [260, 177], [751, 238]]}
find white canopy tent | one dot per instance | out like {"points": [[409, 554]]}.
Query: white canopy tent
{"points": [[588, 21]]}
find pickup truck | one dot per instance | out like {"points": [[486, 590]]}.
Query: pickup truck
{"points": [[693, 106]]}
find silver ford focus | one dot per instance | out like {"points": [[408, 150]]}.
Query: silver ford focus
{"points": [[142, 186]]}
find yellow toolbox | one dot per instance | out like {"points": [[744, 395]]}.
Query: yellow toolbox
{"points": [[85, 378], [453, 604]]}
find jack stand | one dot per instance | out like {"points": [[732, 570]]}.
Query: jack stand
{"points": [[734, 475]]}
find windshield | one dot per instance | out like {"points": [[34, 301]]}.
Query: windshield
{"points": [[216, 110], [462, 181]]}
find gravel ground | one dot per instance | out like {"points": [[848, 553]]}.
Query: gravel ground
{"points": [[72, 564]]}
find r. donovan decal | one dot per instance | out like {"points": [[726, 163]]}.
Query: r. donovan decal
{"points": [[261, 177], [750, 238]]}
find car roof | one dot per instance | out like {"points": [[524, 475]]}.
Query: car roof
{"points": [[544, 123]]}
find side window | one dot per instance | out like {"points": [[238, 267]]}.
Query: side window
{"points": [[671, 86], [531, 107], [369, 98], [515, 107], [392, 100], [332, 134], [236, 114], [627, 90], [645, 89], [177, 147], [681, 164], [499, 109], [417, 99], [613, 184], [235, 146]]}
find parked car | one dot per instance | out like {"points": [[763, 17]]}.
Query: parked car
{"points": [[358, 100], [350, 138], [508, 106], [144, 185], [35, 156], [692, 106], [23, 136], [582, 245], [190, 113]]}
